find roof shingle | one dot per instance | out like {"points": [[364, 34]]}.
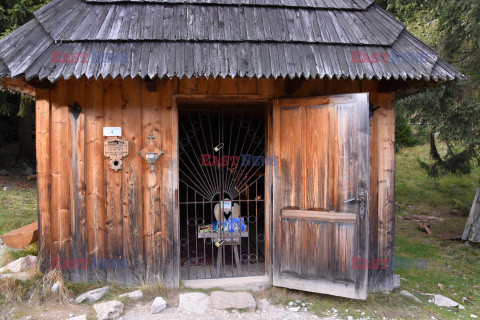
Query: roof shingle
{"points": [[254, 38]]}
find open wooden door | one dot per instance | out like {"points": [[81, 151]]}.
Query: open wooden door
{"points": [[320, 192]]}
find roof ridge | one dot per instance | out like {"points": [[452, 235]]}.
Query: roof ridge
{"points": [[224, 4]]}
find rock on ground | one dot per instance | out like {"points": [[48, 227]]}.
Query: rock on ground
{"points": [[265, 310], [92, 295], [442, 301], [194, 302], [20, 265], [57, 286], [407, 294], [110, 310], [223, 300], [396, 281], [22, 276], [158, 305], [134, 295]]}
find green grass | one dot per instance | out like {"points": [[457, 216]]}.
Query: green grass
{"points": [[17, 209], [418, 193]]}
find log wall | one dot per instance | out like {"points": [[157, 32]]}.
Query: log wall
{"points": [[89, 212]]}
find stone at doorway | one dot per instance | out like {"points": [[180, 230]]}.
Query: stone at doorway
{"points": [[194, 302], [232, 300]]}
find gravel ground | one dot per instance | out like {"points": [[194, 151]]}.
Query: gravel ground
{"points": [[141, 311], [265, 311]]}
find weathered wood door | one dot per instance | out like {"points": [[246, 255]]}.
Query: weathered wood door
{"points": [[320, 192]]}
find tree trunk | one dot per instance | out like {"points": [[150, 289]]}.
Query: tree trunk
{"points": [[472, 229], [26, 132]]}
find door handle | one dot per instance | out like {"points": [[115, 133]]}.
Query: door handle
{"points": [[357, 199]]}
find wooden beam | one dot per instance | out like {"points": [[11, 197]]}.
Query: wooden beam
{"points": [[18, 85], [319, 215], [21, 237], [212, 99], [41, 84], [42, 128], [386, 185]]}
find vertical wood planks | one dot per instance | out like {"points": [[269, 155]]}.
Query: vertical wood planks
{"points": [[151, 124], [132, 175], [60, 206], [170, 199], [291, 150], [317, 134], [188, 86], [76, 174], [246, 86], [333, 161], [202, 85], [266, 87], [42, 126], [276, 194], [371, 87], [95, 175], [323, 147], [386, 185], [228, 86], [113, 185], [141, 205]]}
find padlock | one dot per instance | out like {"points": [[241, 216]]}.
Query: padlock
{"points": [[220, 146]]}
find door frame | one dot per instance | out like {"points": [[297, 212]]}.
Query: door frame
{"points": [[179, 99]]}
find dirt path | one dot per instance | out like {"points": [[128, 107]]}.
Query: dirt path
{"points": [[141, 311], [265, 310]]}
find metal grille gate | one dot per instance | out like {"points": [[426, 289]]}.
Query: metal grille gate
{"points": [[222, 168]]}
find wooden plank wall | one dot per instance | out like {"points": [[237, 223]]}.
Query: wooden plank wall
{"points": [[88, 211]]}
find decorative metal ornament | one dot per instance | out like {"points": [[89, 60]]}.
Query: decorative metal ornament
{"points": [[151, 153], [115, 149]]}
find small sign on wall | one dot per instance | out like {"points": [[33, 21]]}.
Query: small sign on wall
{"points": [[115, 149], [112, 131]]}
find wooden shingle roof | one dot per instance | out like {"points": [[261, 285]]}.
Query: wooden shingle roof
{"points": [[246, 38]]}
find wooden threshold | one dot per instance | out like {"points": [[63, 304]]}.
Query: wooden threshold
{"points": [[319, 215], [256, 283]]}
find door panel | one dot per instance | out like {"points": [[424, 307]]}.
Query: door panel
{"points": [[320, 222]]}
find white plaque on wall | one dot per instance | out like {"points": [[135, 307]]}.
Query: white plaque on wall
{"points": [[112, 131]]}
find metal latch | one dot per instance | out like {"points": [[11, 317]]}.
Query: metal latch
{"points": [[357, 199], [362, 200]]}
